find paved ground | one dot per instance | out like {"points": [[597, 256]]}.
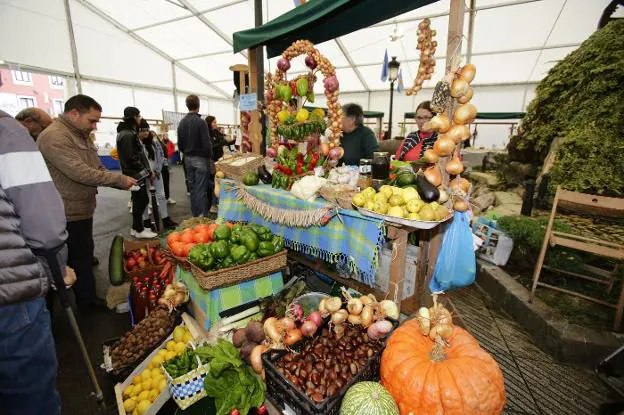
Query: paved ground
{"points": [[535, 383]]}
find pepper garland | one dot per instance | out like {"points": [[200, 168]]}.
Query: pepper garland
{"points": [[315, 61]]}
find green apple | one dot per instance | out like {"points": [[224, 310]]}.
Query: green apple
{"points": [[414, 216], [414, 205], [387, 190], [369, 205], [380, 207], [381, 197], [396, 211], [426, 213], [396, 200], [410, 193], [359, 200]]}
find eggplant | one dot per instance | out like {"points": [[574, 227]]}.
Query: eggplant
{"points": [[426, 190], [264, 175]]}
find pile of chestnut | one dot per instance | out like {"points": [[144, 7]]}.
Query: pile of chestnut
{"points": [[326, 363]]}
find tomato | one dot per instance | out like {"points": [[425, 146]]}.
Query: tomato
{"points": [[187, 248], [173, 237], [211, 229], [201, 227], [187, 237], [177, 248], [201, 237]]}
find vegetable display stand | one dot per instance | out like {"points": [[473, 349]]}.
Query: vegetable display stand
{"points": [[240, 273]]}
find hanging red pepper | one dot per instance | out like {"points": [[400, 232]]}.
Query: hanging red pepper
{"points": [[284, 169], [299, 167], [313, 162], [293, 86]]}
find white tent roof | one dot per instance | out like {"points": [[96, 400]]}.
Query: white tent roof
{"points": [[135, 42]]}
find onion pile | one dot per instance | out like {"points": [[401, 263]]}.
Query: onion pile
{"points": [[174, 295], [315, 62], [427, 47]]}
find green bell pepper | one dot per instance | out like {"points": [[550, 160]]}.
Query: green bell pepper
{"points": [[240, 254], [278, 243], [265, 249], [219, 249], [252, 256], [250, 240], [228, 262], [222, 233], [235, 236]]}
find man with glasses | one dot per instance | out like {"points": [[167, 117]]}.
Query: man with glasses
{"points": [[35, 120]]}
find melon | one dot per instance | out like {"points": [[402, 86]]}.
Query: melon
{"points": [[368, 398]]}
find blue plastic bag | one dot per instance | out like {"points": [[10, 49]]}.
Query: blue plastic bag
{"points": [[456, 265]]}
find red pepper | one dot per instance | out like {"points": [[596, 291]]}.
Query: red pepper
{"points": [[284, 169], [293, 86], [313, 162], [263, 410]]}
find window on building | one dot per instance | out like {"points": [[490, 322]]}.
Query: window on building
{"points": [[21, 77], [26, 102], [59, 106], [57, 82]]}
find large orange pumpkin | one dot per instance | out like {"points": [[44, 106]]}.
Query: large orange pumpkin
{"points": [[430, 377]]}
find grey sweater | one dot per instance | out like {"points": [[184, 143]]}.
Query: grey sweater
{"points": [[31, 216]]}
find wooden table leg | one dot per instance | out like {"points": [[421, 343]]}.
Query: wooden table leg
{"points": [[397, 266]]}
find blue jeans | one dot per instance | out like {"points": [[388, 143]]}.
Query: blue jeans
{"points": [[27, 360], [198, 173]]}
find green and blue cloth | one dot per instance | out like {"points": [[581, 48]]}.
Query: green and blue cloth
{"points": [[349, 240]]}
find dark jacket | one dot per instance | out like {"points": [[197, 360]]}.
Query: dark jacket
{"points": [[132, 157], [31, 216], [218, 142], [193, 136]]}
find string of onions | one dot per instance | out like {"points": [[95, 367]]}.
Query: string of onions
{"points": [[427, 47]]}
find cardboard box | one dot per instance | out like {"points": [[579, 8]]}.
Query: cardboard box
{"points": [[382, 277]]}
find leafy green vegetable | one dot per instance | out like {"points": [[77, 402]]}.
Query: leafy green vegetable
{"points": [[230, 381]]}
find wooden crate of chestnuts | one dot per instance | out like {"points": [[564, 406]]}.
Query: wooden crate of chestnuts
{"points": [[313, 377]]}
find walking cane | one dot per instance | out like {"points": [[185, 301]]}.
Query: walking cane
{"points": [[155, 211], [57, 275]]}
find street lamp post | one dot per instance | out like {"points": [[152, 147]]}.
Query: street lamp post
{"points": [[393, 73]]}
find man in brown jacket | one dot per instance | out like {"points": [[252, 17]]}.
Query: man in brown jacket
{"points": [[77, 172]]}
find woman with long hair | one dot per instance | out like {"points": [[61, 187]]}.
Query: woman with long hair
{"points": [[416, 143], [156, 159]]}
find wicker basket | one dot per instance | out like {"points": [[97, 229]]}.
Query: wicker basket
{"points": [[180, 261], [237, 172], [340, 198], [240, 273]]}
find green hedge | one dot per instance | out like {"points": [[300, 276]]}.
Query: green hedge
{"points": [[581, 100]]}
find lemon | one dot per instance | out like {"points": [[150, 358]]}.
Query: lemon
{"points": [[387, 190], [157, 361], [319, 112], [135, 412], [396, 200], [414, 205], [178, 334], [434, 205], [414, 216], [180, 347], [162, 353], [303, 115], [396, 211], [156, 373], [171, 345], [128, 392], [143, 395], [380, 197], [396, 190], [410, 193], [162, 384], [369, 192], [369, 205], [426, 213], [137, 389], [359, 200], [146, 374], [380, 207], [170, 355], [187, 337], [147, 384], [137, 379], [143, 406], [153, 394], [129, 405]]}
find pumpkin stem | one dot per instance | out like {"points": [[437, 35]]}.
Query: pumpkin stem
{"points": [[438, 354]]}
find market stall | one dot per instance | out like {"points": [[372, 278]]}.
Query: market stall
{"points": [[258, 339]]}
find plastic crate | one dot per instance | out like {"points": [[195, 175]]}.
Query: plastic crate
{"points": [[280, 391]]}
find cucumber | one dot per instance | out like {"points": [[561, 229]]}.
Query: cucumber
{"points": [[115, 261]]}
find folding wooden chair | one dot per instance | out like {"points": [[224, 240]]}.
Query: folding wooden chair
{"points": [[596, 205]]}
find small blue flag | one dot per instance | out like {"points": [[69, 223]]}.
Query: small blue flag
{"points": [[400, 87], [384, 70]]}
